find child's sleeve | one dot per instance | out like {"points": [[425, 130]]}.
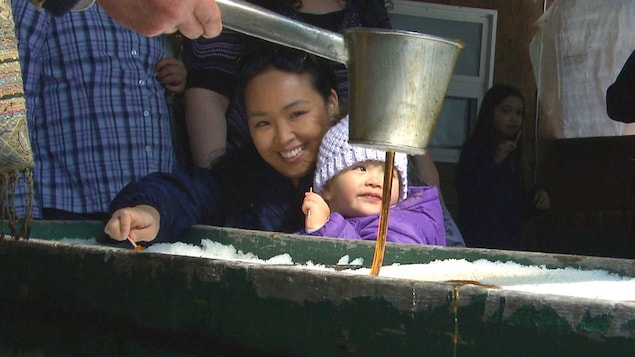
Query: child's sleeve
{"points": [[419, 219], [336, 227]]}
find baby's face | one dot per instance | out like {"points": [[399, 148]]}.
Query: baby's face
{"points": [[356, 191]]}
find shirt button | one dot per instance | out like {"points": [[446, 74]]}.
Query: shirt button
{"points": [[142, 82], [146, 113], [148, 148], [134, 53]]}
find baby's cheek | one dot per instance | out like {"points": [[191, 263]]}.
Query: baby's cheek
{"points": [[394, 196]]}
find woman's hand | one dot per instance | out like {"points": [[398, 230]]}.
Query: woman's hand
{"points": [[316, 210], [140, 223], [503, 149], [542, 200]]}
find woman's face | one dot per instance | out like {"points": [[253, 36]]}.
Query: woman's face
{"points": [[287, 119], [508, 116]]}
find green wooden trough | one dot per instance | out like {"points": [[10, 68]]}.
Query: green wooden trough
{"points": [[66, 299]]}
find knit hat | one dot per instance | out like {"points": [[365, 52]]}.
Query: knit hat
{"points": [[336, 154]]}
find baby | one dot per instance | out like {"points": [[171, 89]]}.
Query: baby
{"points": [[348, 188]]}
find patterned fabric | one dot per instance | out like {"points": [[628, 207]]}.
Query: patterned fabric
{"points": [[98, 118], [336, 154], [15, 150]]}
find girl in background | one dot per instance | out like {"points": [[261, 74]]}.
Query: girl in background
{"points": [[493, 203]]}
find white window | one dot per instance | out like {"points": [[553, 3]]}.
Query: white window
{"points": [[474, 68]]}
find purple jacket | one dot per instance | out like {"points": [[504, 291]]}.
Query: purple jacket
{"points": [[417, 219]]}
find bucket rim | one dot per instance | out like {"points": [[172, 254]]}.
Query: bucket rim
{"points": [[404, 33]]}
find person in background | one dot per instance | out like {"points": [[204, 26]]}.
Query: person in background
{"points": [[193, 18], [215, 116], [493, 203], [347, 200], [422, 171], [620, 95], [291, 102], [96, 108], [174, 83]]}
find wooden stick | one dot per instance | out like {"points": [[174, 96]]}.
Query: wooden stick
{"points": [[134, 244], [308, 212], [380, 246]]}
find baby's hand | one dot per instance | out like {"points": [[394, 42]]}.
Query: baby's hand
{"points": [[316, 210], [172, 74]]}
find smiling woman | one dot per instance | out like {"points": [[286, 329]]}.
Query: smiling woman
{"points": [[291, 103], [286, 122]]}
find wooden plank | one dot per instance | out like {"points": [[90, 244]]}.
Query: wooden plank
{"points": [[281, 309]]}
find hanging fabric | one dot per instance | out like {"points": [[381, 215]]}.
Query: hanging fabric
{"points": [[16, 157]]}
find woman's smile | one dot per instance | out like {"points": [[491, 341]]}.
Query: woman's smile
{"points": [[293, 154], [287, 119]]}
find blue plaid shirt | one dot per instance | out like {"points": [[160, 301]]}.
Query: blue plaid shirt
{"points": [[98, 117]]}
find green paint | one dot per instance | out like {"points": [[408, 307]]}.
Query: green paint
{"points": [[598, 324], [105, 296]]}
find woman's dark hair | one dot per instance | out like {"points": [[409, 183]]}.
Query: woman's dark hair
{"points": [[263, 56], [485, 131], [242, 169]]}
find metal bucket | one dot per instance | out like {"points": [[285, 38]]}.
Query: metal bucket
{"points": [[397, 79]]}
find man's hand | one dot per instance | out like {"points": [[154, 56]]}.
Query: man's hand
{"points": [[193, 18]]}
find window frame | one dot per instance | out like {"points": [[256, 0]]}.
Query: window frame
{"points": [[467, 87]]}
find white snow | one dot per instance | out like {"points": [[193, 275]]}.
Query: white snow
{"points": [[596, 284]]}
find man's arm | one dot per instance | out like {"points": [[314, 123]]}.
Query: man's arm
{"points": [[193, 18], [206, 124], [620, 96]]}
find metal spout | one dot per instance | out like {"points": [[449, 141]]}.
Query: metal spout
{"points": [[256, 21]]}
